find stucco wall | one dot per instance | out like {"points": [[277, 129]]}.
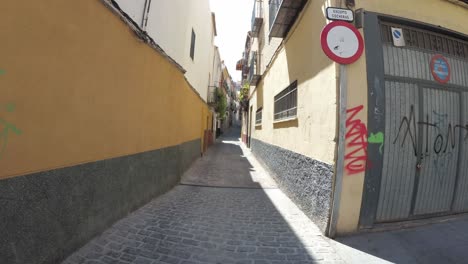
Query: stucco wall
{"points": [[299, 152], [301, 58], [436, 12], [99, 121], [81, 97]]}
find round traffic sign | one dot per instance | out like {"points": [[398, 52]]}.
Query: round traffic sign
{"points": [[342, 42], [440, 68]]}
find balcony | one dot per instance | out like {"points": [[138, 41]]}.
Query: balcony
{"points": [[254, 75], [257, 18], [282, 15], [212, 95], [245, 71], [240, 64]]}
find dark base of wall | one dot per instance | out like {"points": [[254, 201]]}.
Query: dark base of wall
{"points": [[306, 181], [46, 216]]}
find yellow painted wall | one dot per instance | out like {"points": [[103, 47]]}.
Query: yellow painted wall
{"points": [[353, 181], [85, 89], [435, 12], [301, 58]]}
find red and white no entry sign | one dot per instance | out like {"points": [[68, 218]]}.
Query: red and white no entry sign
{"points": [[342, 42]]}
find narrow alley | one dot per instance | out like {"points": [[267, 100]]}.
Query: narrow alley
{"points": [[227, 209], [234, 131]]}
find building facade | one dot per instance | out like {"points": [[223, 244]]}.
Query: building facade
{"points": [[379, 141]]}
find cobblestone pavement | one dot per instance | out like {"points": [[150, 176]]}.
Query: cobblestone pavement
{"points": [[197, 224], [443, 242]]}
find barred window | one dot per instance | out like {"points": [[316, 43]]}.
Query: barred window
{"points": [[258, 116], [286, 103]]}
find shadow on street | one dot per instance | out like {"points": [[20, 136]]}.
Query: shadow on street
{"points": [[227, 210]]}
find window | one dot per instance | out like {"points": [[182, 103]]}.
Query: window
{"points": [[192, 45], [258, 117], [274, 7], [286, 103]]}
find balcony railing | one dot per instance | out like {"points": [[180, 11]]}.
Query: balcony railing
{"points": [[257, 17], [282, 14], [254, 75]]}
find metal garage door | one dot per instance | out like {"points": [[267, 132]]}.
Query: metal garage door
{"points": [[425, 153]]}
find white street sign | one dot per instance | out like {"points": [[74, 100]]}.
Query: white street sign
{"points": [[342, 14], [398, 38]]}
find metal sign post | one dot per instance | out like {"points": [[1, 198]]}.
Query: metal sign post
{"points": [[342, 43]]}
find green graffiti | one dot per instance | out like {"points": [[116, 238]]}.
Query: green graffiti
{"points": [[377, 138], [8, 127], [2, 72], [10, 107]]}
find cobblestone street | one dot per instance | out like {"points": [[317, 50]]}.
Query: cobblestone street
{"points": [[233, 214]]}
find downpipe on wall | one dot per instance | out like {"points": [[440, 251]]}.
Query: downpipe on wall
{"points": [[144, 20]]}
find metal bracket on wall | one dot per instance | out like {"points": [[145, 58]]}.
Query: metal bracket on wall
{"points": [[359, 18]]}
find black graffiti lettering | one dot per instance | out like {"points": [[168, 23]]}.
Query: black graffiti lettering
{"points": [[438, 142], [408, 122], [445, 140], [450, 138]]}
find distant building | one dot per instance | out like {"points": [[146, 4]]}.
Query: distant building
{"points": [[185, 30]]}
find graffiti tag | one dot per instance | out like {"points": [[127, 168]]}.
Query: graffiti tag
{"points": [[444, 141], [377, 138], [356, 148], [7, 129]]}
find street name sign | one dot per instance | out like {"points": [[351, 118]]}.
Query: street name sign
{"points": [[334, 13]]}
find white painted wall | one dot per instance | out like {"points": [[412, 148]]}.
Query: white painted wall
{"points": [[133, 8], [217, 70], [267, 45], [170, 24]]}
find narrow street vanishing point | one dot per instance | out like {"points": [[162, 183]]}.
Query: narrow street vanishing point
{"points": [[234, 131]]}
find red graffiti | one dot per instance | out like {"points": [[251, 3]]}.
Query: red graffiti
{"points": [[356, 136]]}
